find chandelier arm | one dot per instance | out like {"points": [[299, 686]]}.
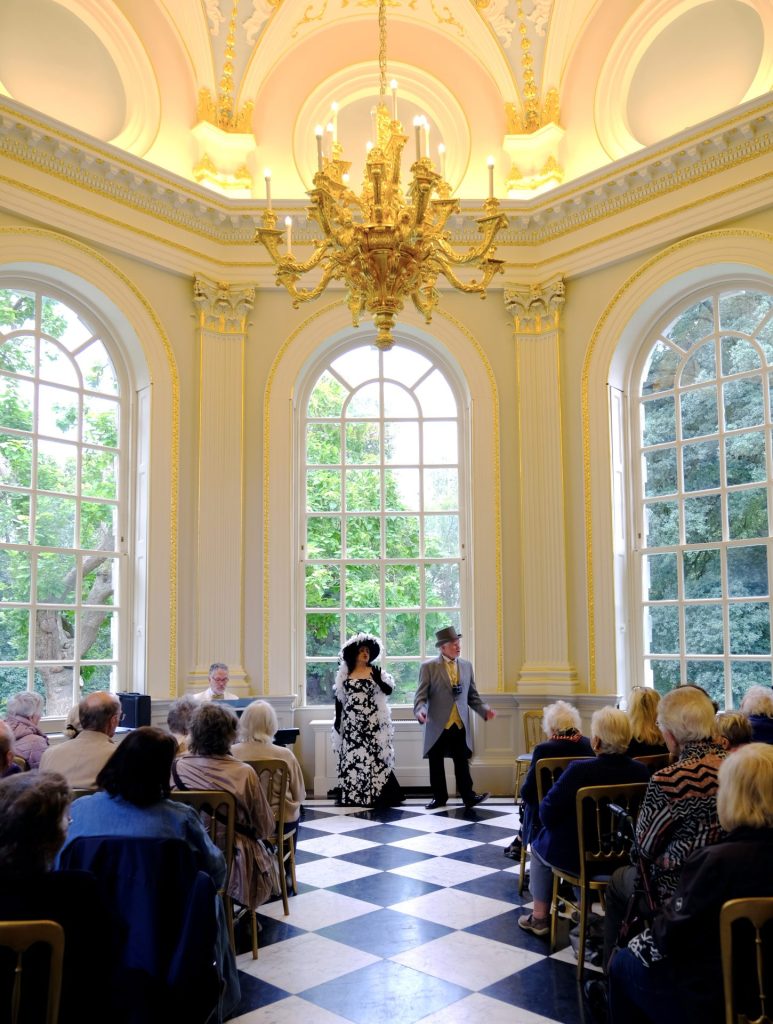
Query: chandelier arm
{"points": [[312, 261], [491, 227], [286, 276], [489, 268], [425, 302]]}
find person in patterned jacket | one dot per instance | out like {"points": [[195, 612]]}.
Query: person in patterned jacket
{"points": [[679, 812]]}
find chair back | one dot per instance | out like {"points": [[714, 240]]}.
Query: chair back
{"points": [[21, 762], [601, 844], [18, 937], [78, 793], [746, 946], [274, 775], [654, 762], [548, 770], [217, 811], [532, 730]]}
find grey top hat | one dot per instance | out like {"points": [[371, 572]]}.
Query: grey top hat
{"points": [[446, 635]]}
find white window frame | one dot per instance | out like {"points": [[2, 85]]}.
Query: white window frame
{"points": [[305, 387]]}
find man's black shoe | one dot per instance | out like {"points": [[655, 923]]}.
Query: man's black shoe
{"points": [[434, 804], [513, 851], [597, 998], [476, 799]]}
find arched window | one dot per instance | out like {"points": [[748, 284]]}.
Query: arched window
{"points": [[702, 452], [383, 524], [62, 500]]}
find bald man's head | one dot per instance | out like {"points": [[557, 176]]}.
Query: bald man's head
{"points": [[100, 712]]}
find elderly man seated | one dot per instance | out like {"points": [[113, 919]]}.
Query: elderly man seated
{"points": [[556, 843], [82, 759]]}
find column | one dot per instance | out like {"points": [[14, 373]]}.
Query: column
{"points": [[222, 313], [536, 312]]}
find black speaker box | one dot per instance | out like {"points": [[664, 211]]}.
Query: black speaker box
{"points": [[136, 709]]}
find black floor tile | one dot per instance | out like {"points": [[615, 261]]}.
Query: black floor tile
{"points": [[385, 933], [385, 857], [550, 985], [384, 888], [257, 993]]}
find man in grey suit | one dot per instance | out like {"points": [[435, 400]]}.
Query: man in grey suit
{"points": [[446, 693]]}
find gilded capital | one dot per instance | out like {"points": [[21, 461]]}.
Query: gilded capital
{"points": [[536, 309], [222, 307]]}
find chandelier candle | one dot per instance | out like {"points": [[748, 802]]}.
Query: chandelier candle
{"points": [[267, 179]]}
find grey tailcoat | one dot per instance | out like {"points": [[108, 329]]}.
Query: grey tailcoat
{"points": [[434, 696]]}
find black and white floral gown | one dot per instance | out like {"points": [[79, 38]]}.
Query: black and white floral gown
{"points": [[364, 744]]}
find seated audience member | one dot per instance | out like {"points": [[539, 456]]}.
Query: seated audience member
{"points": [[133, 802], [24, 713], [757, 705], [257, 728], [33, 823], [209, 764], [555, 845], [81, 761], [561, 725], [218, 684], [643, 715], [733, 729], [178, 718], [72, 724], [679, 810], [8, 766], [672, 972]]}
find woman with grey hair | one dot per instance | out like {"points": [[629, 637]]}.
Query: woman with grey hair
{"points": [[757, 705], [561, 724], [25, 710], [257, 728], [209, 764]]}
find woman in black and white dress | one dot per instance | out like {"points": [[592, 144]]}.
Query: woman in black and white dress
{"points": [[362, 736]]}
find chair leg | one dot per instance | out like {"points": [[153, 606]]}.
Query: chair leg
{"points": [[254, 924], [280, 856], [292, 864], [521, 882], [228, 906], [584, 898], [554, 915]]}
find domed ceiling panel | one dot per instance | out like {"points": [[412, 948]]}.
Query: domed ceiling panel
{"points": [[52, 61]]}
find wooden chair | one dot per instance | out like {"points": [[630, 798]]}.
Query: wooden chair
{"points": [[274, 775], [600, 851], [19, 936], [548, 769], [654, 762], [532, 734], [217, 810], [757, 912], [78, 793]]}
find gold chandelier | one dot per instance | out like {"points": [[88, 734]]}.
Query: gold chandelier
{"points": [[382, 246]]}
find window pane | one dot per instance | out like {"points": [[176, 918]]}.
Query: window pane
{"points": [[15, 460], [699, 412], [434, 622], [745, 458], [327, 398], [402, 587], [405, 365], [55, 522], [710, 675], [100, 632], [100, 421], [363, 537], [406, 676], [57, 467], [17, 355], [700, 465], [365, 402], [16, 403], [659, 472], [435, 396], [55, 633], [100, 580], [702, 519], [663, 675], [398, 401], [14, 634], [323, 586], [402, 490], [11, 681], [440, 442], [323, 537], [363, 489], [97, 369], [14, 575], [57, 365], [17, 308], [693, 324], [320, 676], [743, 403], [357, 365], [402, 536], [441, 583], [57, 578], [659, 421], [401, 443], [59, 413], [363, 586], [703, 629], [323, 633], [441, 489], [743, 310], [702, 365], [323, 490], [441, 536], [363, 444], [746, 674], [747, 571], [323, 444], [14, 517], [98, 526], [702, 573], [98, 677], [747, 513], [738, 356], [402, 632], [660, 369], [99, 473], [661, 625], [364, 622], [750, 628], [661, 523]]}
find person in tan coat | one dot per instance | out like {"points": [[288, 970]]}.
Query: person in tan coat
{"points": [[82, 759]]}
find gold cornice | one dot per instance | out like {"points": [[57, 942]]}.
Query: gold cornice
{"points": [[585, 409], [175, 439]]}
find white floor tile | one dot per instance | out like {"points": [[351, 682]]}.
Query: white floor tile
{"points": [[453, 907], [290, 1011], [339, 823], [476, 1009], [435, 843], [304, 961], [324, 873], [318, 909], [429, 823], [334, 845], [443, 871], [469, 960]]}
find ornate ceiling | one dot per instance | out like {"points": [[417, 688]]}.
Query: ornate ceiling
{"points": [[215, 91]]}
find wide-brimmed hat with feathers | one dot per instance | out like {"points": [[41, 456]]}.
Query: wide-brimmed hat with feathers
{"points": [[362, 640]]}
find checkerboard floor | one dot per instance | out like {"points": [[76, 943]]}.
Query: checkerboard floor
{"points": [[406, 916]]}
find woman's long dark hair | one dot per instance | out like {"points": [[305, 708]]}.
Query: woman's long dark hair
{"points": [[139, 770]]}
